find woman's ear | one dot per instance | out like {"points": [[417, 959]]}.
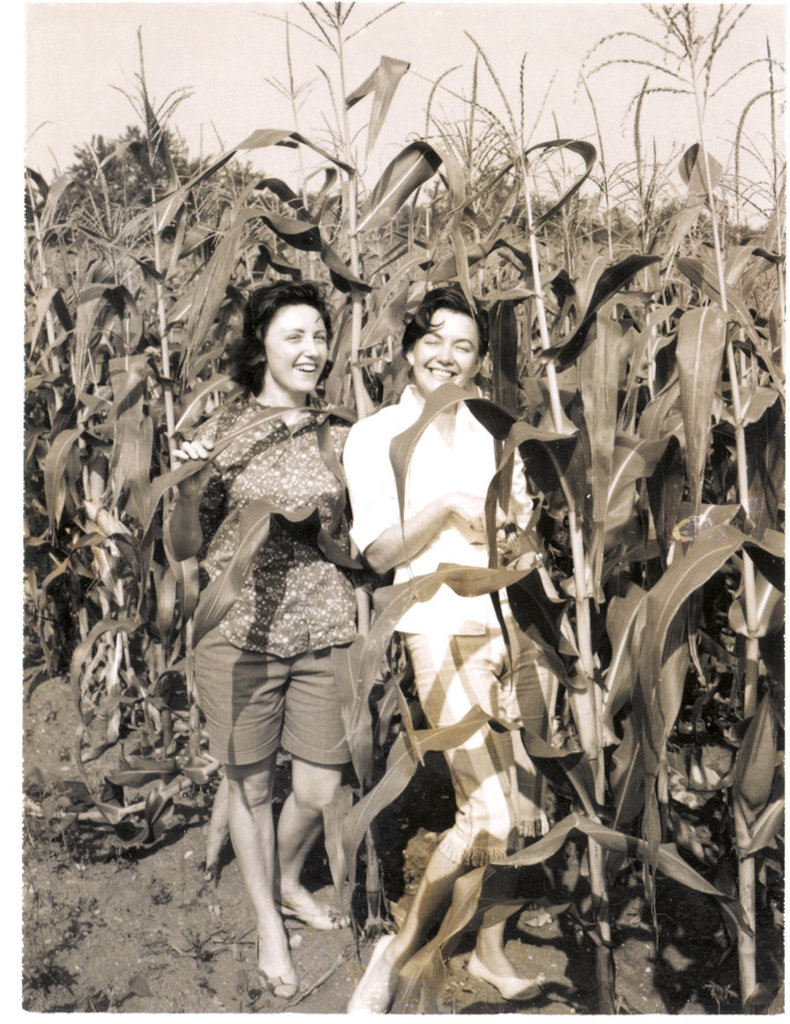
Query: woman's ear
{"points": [[409, 357]]}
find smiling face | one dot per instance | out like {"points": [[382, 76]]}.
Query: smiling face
{"points": [[450, 352], [296, 353]]}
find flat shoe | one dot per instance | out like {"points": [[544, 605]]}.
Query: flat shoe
{"points": [[328, 920], [372, 998], [509, 986], [275, 985]]}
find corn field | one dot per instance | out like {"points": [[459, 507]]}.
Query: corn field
{"points": [[636, 362]]}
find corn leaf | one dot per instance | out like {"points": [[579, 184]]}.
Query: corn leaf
{"points": [[386, 315], [627, 777], [447, 270], [468, 889], [586, 151], [662, 696], [355, 709], [694, 172], [133, 439], [765, 442], [192, 404], [702, 333], [138, 771], [50, 298], [611, 281], [686, 575], [755, 763], [665, 488], [263, 137], [413, 166], [503, 346], [402, 763], [539, 613], [165, 589], [334, 815], [159, 485], [408, 751], [55, 474], [254, 522], [53, 196], [770, 609], [383, 81], [737, 270], [212, 284], [82, 651], [634, 459], [148, 268], [166, 208], [127, 377], [220, 594], [765, 828], [306, 235], [622, 614], [402, 446], [705, 278], [599, 385], [393, 601], [547, 456], [188, 580]]}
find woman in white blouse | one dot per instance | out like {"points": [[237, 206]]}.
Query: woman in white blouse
{"points": [[456, 645]]}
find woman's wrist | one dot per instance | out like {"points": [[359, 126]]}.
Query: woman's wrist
{"points": [[189, 492], [449, 505]]}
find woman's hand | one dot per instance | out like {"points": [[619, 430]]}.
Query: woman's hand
{"points": [[467, 512], [186, 535], [188, 452]]}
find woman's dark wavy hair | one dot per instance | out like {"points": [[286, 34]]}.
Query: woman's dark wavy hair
{"points": [[247, 353], [447, 297]]}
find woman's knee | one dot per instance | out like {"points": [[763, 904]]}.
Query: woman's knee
{"points": [[251, 784], [315, 786]]}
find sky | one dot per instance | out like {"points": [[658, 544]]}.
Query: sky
{"points": [[82, 58]]}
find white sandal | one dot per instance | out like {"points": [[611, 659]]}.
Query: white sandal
{"points": [[375, 998]]}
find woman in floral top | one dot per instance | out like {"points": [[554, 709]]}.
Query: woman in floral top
{"points": [[265, 673]]}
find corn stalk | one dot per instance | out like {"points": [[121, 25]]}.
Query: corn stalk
{"points": [[586, 704], [747, 948]]}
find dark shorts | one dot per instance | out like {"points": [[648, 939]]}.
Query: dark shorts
{"points": [[255, 703]]}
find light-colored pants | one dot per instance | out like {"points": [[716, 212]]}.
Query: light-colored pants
{"points": [[498, 791]]}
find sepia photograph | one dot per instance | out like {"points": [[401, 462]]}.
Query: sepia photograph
{"points": [[430, 357]]}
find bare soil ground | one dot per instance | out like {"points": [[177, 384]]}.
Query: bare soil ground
{"points": [[143, 932]]}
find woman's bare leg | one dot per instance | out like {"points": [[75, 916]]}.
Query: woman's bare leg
{"points": [[376, 990], [490, 944], [314, 787], [252, 834]]}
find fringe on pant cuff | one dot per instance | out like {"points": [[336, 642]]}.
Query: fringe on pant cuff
{"points": [[458, 852]]}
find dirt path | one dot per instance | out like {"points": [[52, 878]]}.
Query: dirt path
{"points": [[146, 933]]}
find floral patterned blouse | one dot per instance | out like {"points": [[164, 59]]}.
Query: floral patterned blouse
{"points": [[294, 599]]}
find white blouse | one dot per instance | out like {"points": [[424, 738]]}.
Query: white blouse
{"points": [[436, 468]]}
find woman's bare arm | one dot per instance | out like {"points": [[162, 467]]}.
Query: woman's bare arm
{"points": [[400, 543], [186, 535]]}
